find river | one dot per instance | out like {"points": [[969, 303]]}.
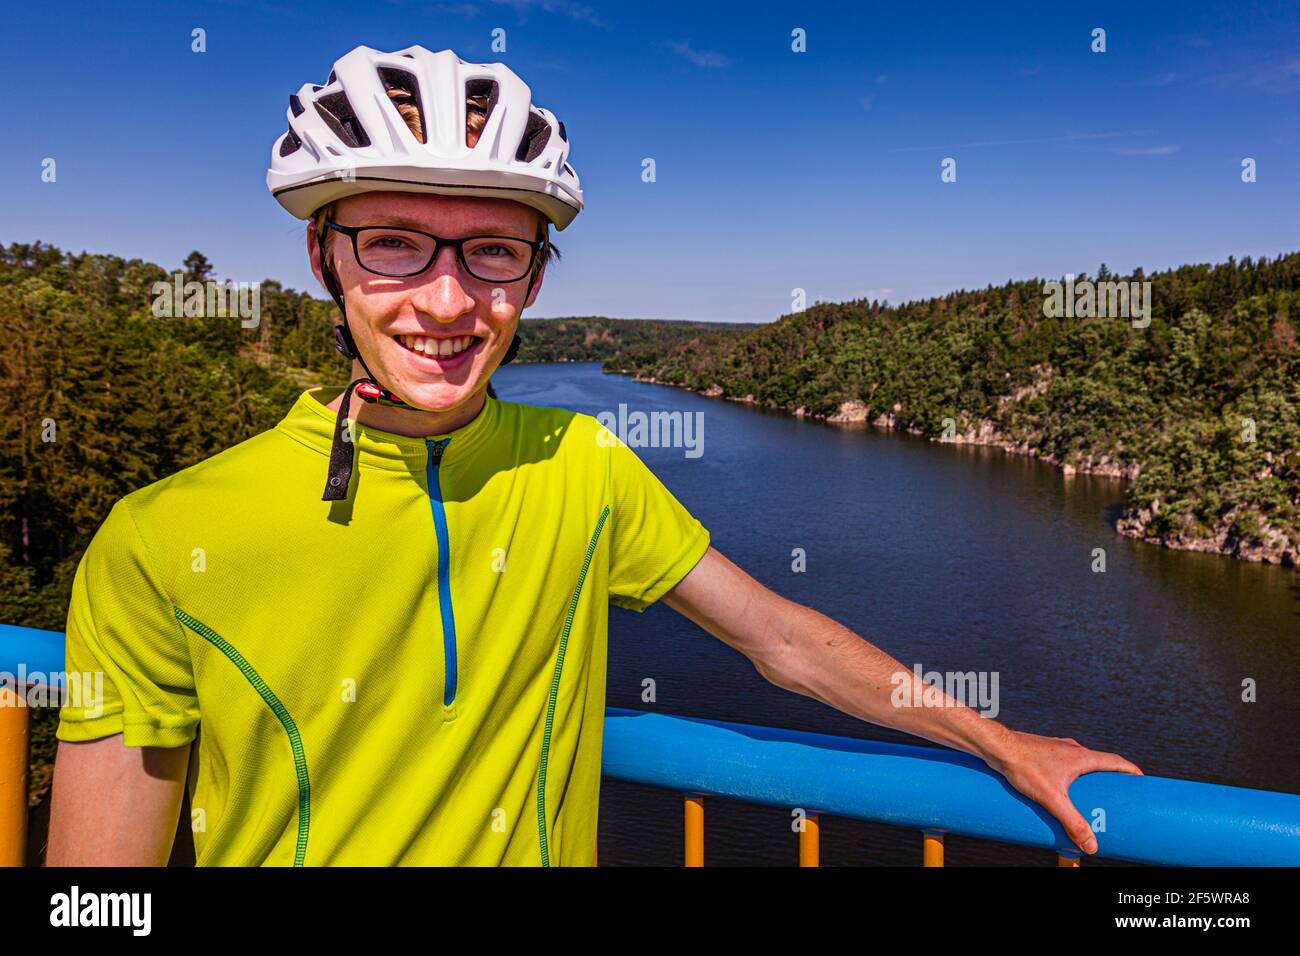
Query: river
{"points": [[957, 558]]}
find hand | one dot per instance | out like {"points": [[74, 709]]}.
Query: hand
{"points": [[1042, 768]]}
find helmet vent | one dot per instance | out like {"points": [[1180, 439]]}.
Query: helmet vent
{"points": [[535, 137], [409, 89], [289, 144], [295, 104], [339, 117], [482, 98]]}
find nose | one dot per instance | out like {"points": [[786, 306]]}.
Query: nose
{"points": [[440, 292]]}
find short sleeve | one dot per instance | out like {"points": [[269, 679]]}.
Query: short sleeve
{"points": [[130, 655], [655, 541]]}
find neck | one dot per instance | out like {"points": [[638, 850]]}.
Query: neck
{"points": [[414, 422]]}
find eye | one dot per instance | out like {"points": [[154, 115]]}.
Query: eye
{"points": [[496, 250], [387, 242]]}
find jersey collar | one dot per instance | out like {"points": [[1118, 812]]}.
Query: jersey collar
{"points": [[311, 423]]}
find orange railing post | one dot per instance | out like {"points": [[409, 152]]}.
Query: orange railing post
{"points": [[932, 848], [13, 778], [694, 830], [810, 841]]}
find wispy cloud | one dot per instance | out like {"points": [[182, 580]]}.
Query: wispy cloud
{"points": [[1143, 150], [1030, 70], [467, 10], [1279, 75], [867, 101], [1068, 138], [705, 58], [1161, 79], [569, 8]]}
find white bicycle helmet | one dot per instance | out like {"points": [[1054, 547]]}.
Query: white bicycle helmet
{"points": [[347, 137]]}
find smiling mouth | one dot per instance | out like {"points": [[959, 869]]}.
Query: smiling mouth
{"points": [[438, 348]]}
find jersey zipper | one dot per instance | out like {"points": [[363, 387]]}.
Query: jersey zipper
{"points": [[436, 449]]}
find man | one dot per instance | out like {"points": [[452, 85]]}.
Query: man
{"points": [[410, 667]]}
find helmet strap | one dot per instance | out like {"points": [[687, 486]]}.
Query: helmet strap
{"points": [[514, 345]]}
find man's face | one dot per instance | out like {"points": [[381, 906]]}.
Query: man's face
{"points": [[443, 304]]}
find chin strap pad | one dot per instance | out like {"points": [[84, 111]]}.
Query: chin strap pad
{"points": [[343, 341]]}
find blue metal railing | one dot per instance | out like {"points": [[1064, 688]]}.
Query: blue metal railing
{"points": [[1147, 819]]}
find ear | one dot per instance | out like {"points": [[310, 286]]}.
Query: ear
{"points": [[314, 254]]}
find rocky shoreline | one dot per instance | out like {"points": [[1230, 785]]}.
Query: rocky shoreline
{"points": [[1275, 548]]}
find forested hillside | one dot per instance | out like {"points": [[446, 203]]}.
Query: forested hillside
{"points": [[1200, 408], [594, 338]]}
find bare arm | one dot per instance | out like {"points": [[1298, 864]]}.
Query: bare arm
{"points": [[804, 651], [114, 805]]}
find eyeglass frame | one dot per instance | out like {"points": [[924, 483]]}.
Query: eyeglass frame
{"points": [[536, 245]]}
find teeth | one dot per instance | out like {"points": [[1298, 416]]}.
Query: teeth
{"points": [[438, 348]]}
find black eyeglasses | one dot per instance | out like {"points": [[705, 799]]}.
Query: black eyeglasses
{"points": [[400, 253]]}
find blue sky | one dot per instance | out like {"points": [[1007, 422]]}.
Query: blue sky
{"points": [[776, 170]]}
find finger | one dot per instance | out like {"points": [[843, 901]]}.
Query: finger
{"points": [[1075, 826], [1100, 760]]}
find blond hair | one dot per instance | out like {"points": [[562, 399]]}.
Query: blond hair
{"points": [[475, 120]]}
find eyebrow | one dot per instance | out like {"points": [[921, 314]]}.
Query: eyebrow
{"points": [[495, 229]]}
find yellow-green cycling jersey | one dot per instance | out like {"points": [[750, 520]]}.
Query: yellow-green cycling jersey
{"points": [[415, 675]]}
